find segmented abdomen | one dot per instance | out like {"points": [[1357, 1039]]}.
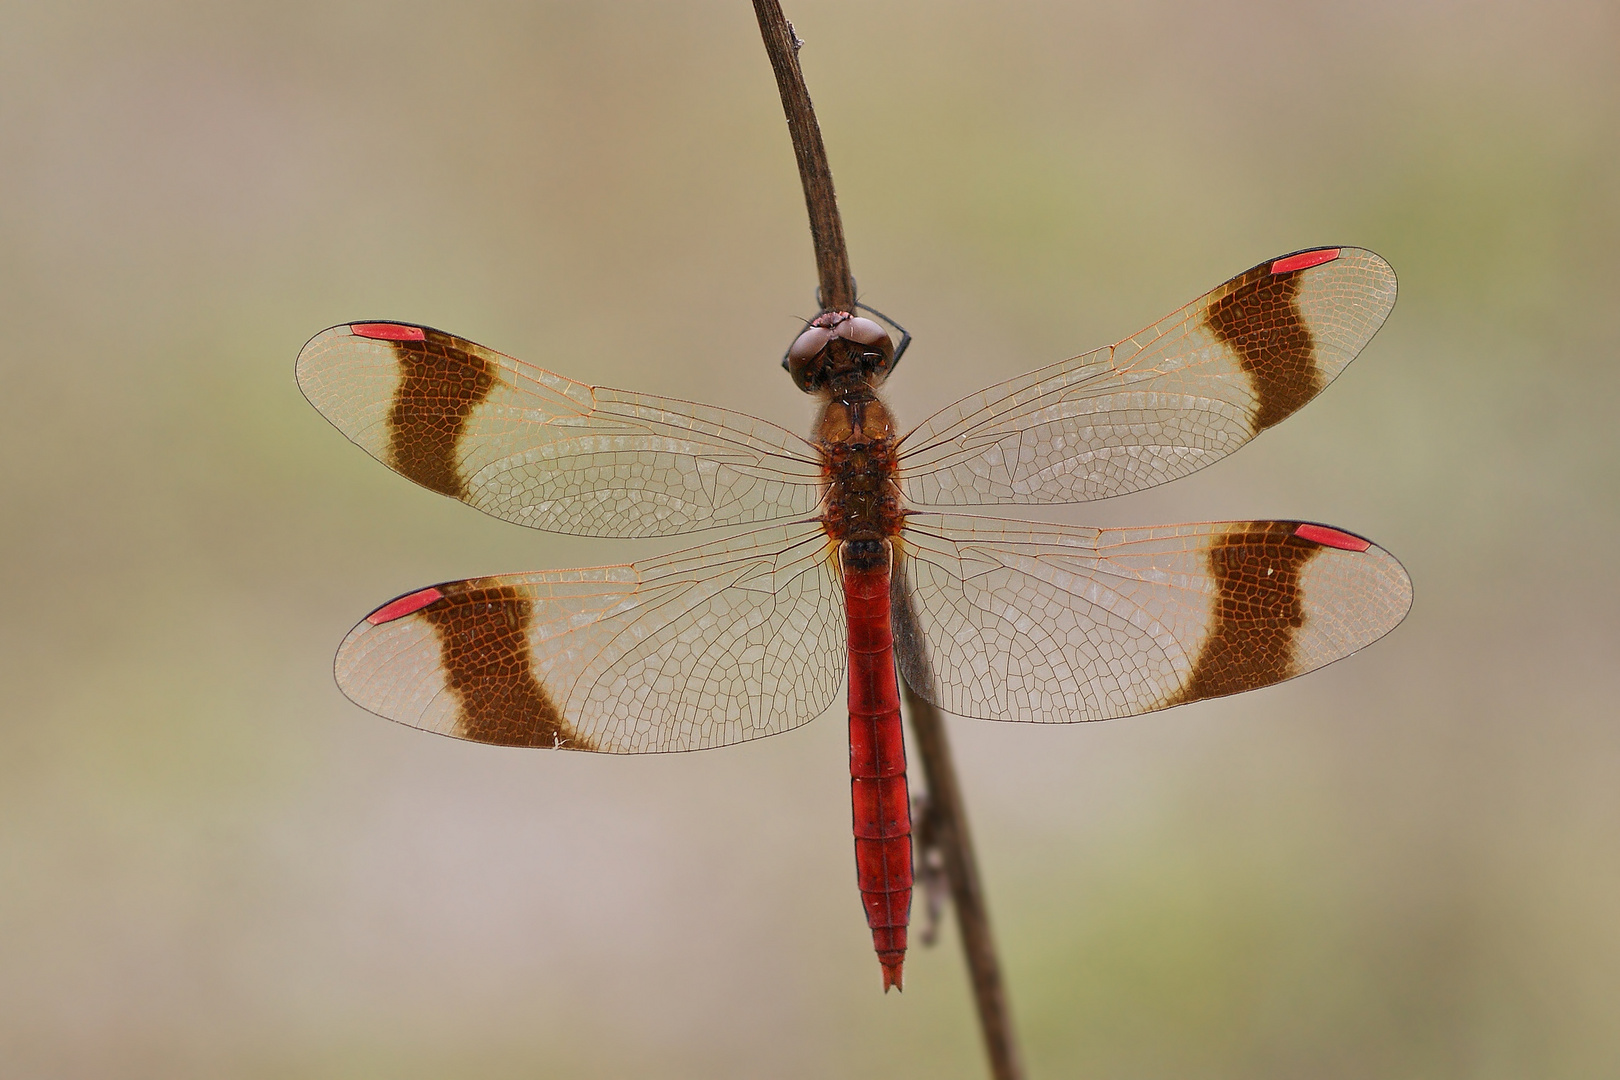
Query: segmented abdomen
{"points": [[877, 768]]}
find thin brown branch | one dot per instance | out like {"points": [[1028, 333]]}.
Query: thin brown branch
{"points": [[826, 229], [949, 815], [961, 867], [950, 829]]}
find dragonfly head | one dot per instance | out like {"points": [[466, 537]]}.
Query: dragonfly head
{"points": [[838, 348]]}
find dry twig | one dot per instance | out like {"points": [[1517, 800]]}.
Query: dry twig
{"points": [[948, 823]]}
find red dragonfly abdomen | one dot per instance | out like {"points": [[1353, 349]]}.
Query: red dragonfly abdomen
{"points": [[877, 767]]}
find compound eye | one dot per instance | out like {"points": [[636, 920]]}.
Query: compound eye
{"points": [[806, 359], [863, 332], [808, 344]]}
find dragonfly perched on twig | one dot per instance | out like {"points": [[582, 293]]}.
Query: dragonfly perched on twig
{"points": [[843, 554]]}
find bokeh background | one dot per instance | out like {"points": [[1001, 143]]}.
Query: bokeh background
{"points": [[212, 865]]}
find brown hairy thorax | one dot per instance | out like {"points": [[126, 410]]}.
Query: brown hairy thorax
{"points": [[845, 359]]}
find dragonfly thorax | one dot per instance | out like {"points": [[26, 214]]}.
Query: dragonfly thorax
{"points": [[856, 440]]}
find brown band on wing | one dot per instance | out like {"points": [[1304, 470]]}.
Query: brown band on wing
{"points": [[484, 647], [1258, 607], [440, 384], [1261, 321]]}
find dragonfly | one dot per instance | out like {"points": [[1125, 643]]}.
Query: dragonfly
{"points": [[844, 552]]}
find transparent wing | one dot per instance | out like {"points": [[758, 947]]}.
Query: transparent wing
{"points": [[532, 447], [718, 644], [1181, 394], [1002, 620]]}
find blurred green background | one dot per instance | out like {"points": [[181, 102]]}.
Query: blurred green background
{"points": [[212, 865]]}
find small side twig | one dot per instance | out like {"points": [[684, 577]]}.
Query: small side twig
{"points": [[947, 826]]}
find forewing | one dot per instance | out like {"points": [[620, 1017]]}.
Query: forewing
{"points": [[533, 447], [719, 644], [1001, 620], [1183, 393]]}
